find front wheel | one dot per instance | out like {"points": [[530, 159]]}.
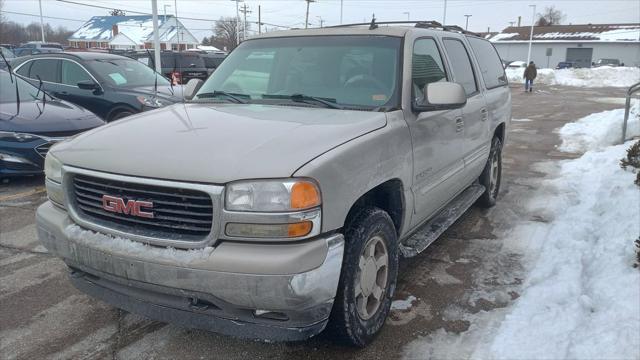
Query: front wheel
{"points": [[367, 279], [492, 175]]}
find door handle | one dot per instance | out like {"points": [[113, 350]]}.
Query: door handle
{"points": [[459, 124], [484, 114]]}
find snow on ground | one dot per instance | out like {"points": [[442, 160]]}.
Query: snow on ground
{"points": [[580, 298], [599, 130], [403, 304], [587, 77]]}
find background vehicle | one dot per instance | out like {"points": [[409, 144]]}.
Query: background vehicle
{"points": [[212, 61], [607, 62], [8, 55], [517, 65], [110, 86], [31, 122], [505, 63], [37, 47], [565, 65], [312, 159], [181, 66]]}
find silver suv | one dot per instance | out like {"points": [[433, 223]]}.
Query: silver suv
{"points": [[279, 199]]}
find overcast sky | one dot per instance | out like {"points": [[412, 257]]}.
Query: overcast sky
{"points": [[495, 14]]}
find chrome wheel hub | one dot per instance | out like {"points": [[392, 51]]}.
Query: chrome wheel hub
{"points": [[493, 174], [371, 280]]}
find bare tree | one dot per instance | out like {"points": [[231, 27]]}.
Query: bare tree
{"points": [[224, 33], [550, 16]]}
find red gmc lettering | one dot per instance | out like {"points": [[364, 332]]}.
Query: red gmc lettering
{"points": [[131, 207]]}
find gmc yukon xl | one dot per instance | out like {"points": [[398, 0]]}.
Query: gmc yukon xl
{"points": [[278, 200]]}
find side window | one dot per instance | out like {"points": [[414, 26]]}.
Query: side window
{"points": [[73, 73], [489, 61], [461, 65], [47, 69], [24, 69], [426, 66]]}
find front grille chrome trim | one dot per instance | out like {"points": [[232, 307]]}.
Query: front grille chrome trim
{"points": [[215, 192]]}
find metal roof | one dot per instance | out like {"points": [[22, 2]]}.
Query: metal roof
{"points": [[585, 32]]}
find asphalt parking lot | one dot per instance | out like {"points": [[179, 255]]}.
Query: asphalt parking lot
{"points": [[467, 271]]}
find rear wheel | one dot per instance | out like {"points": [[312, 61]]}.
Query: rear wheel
{"points": [[492, 175], [367, 279]]}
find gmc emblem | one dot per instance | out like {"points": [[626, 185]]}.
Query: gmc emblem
{"points": [[131, 207]]}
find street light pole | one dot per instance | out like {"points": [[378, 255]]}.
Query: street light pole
{"points": [[408, 15], [533, 19], [444, 15], [341, 8], [156, 36], [165, 12], [466, 26], [41, 21]]}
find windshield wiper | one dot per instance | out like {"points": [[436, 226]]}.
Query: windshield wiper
{"points": [[235, 97], [327, 102]]}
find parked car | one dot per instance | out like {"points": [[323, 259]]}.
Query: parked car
{"points": [[212, 61], [37, 47], [505, 63], [179, 67], [517, 65], [607, 62], [297, 175], [110, 86], [565, 65], [31, 122]]}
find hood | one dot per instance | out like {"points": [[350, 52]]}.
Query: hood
{"points": [[164, 92], [216, 143], [58, 118]]}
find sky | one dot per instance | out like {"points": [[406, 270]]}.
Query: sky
{"points": [[485, 14]]}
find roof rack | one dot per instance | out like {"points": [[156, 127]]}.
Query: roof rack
{"points": [[429, 24]]}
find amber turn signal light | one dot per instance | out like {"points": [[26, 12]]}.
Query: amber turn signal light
{"points": [[304, 195]]}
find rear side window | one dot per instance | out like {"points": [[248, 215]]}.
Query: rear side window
{"points": [[24, 69], [489, 61], [461, 65], [426, 66], [73, 73], [47, 69]]}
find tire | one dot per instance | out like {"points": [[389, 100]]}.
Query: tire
{"points": [[121, 114], [491, 176], [356, 318]]}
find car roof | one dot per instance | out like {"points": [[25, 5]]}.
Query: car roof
{"points": [[397, 31], [82, 55]]}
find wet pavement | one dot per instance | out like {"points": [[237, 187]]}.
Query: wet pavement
{"points": [[467, 271]]}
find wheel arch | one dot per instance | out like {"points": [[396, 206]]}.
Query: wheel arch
{"points": [[387, 196]]}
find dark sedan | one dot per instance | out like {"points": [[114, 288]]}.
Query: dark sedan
{"points": [[31, 122], [110, 86]]}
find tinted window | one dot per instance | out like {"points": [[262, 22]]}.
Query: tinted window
{"points": [[461, 65], [73, 73], [47, 69], [182, 61], [426, 66], [24, 69], [489, 61], [26, 91], [124, 72]]}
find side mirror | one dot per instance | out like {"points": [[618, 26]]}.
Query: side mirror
{"points": [[192, 88], [88, 85], [441, 96]]}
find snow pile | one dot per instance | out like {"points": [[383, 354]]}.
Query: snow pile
{"points": [[121, 246], [582, 297], [587, 77], [599, 130], [403, 304]]}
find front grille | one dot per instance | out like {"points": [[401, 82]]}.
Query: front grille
{"points": [[178, 214], [43, 149]]}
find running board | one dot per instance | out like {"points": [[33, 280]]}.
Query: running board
{"points": [[432, 229]]}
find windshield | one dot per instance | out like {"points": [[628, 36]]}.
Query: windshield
{"points": [[607, 61], [350, 71], [8, 54], [126, 73], [27, 91]]}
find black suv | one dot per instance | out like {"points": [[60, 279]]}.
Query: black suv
{"points": [[110, 86], [179, 67]]}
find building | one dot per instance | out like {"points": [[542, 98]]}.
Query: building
{"points": [[132, 33], [581, 44]]}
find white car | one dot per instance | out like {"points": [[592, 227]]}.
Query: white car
{"points": [[517, 64]]}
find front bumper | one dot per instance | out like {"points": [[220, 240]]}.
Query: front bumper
{"points": [[279, 292]]}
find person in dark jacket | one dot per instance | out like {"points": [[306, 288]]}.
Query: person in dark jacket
{"points": [[530, 73]]}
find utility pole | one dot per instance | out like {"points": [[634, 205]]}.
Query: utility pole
{"points": [[444, 15], [466, 26], [321, 21], [408, 15], [244, 11], [156, 36], [41, 21], [341, 8], [175, 8], [259, 21], [306, 18], [237, 22], [533, 19]]}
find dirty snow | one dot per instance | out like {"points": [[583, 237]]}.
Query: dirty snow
{"points": [[581, 296], [118, 245], [598, 130], [588, 77], [403, 304]]}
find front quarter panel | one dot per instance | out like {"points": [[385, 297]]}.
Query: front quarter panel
{"points": [[350, 170]]}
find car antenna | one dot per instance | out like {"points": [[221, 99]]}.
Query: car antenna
{"points": [[14, 82], [373, 24], [44, 95], [155, 83]]}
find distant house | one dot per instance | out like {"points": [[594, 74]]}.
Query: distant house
{"points": [[132, 33], [580, 44]]}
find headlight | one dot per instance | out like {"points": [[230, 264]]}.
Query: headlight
{"points": [[272, 195], [17, 137], [53, 168], [152, 102]]}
